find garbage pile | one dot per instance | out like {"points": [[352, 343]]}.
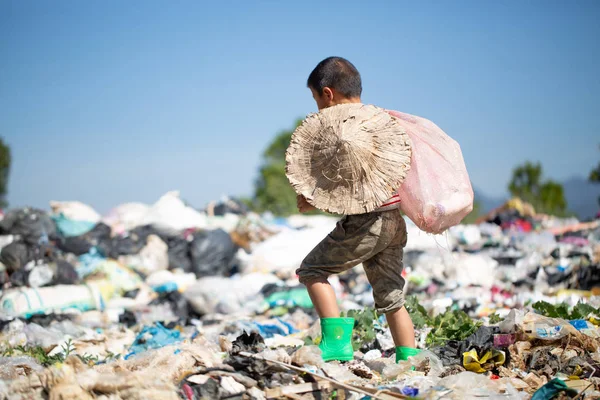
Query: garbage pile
{"points": [[165, 301]]}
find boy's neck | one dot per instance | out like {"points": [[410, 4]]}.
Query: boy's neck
{"points": [[346, 100]]}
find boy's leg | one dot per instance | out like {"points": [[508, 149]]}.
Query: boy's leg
{"points": [[401, 327], [384, 271], [354, 239], [323, 298]]}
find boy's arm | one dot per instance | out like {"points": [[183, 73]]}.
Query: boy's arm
{"points": [[303, 205]]}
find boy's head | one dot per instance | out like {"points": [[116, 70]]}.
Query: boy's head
{"points": [[335, 81]]}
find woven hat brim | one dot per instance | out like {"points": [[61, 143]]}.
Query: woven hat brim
{"points": [[348, 159]]}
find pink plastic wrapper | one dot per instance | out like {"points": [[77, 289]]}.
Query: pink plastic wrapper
{"points": [[437, 192]]}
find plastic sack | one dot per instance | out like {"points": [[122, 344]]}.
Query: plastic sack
{"points": [[437, 192], [540, 327], [227, 295], [213, 253], [70, 227], [32, 225], [170, 215], [75, 210], [487, 361], [47, 338], [14, 367], [153, 337], [27, 302], [126, 217], [153, 257]]}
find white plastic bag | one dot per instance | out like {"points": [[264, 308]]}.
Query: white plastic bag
{"points": [[126, 217], [437, 192], [75, 210], [170, 215], [153, 257]]}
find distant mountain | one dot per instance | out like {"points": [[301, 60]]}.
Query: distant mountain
{"points": [[488, 203], [582, 197]]}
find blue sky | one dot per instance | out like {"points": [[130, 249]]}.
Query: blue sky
{"points": [[108, 102]]}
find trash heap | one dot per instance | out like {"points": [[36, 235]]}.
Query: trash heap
{"points": [[165, 301]]}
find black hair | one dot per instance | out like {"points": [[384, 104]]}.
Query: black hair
{"points": [[336, 73]]}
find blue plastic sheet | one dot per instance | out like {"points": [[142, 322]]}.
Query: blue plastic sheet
{"points": [[579, 324], [410, 391], [268, 330], [69, 227], [154, 337], [89, 262], [165, 287], [552, 389]]}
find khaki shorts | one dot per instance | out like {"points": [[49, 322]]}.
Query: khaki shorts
{"points": [[377, 241]]}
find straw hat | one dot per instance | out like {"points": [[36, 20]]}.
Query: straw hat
{"points": [[348, 159]]}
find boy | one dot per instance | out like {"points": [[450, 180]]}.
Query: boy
{"points": [[376, 240]]}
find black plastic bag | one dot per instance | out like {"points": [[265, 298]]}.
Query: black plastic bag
{"points": [[452, 352], [212, 253], [179, 253], [32, 225], [15, 256], [588, 277], [78, 245], [132, 243], [179, 304], [230, 206], [64, 273], [128, 318]]}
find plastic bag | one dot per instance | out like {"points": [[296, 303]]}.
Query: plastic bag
{"points": [[213, 253], [153, 257], [75, 210], [485, 362], [126, 217], [44, 337], [437, 192], [32, 225], [227, 295], [170, 216], [436, 367], [13, 367], [153, 337], [70, 227], [308, 355], [540, 327], [27, 302]]}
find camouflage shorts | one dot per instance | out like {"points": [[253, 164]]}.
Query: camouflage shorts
{"points": [[377, 241]]}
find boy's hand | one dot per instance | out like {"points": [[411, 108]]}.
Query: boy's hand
{"points": [[303, 205]]}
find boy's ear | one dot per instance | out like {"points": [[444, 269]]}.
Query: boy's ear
{"points": [[328, 93]]}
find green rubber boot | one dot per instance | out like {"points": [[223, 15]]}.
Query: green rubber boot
{"points": [[336, 339], [402, 353]]}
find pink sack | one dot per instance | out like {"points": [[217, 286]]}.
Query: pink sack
{"points": [[437, 192]]}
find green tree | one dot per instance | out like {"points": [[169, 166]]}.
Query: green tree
{"points": [[526, 181], [552, 198], [273, 191], [546, 196], [4, 172], [595, 177], [473, 215], [595, 174]]}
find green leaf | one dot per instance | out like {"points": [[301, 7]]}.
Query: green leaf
{"points": [[583, 311], [451, 325], [417, 312], [546, 309], [580, 311], [495, 319]]}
